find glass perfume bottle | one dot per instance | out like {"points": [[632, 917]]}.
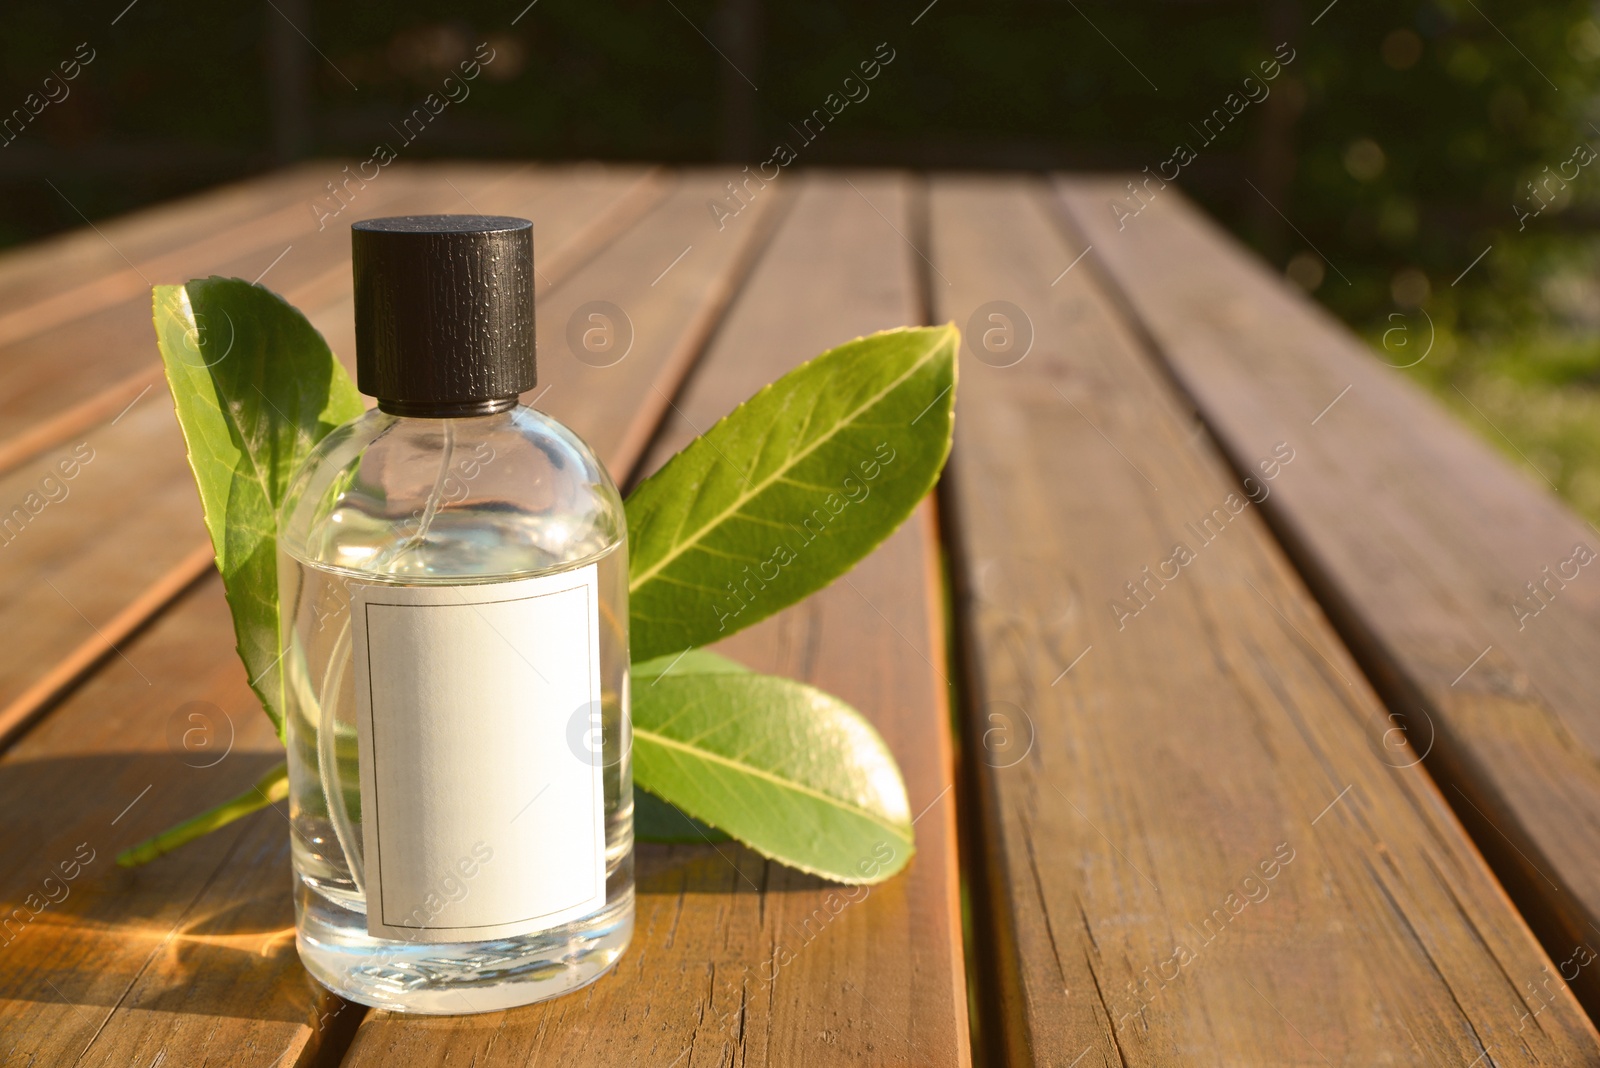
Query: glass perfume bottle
{"points": [[454, 583]]}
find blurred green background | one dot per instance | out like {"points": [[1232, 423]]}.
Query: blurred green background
{"points": [[1401, 142]]}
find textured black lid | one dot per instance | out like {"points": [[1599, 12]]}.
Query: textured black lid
{"points": [[444, 312]]}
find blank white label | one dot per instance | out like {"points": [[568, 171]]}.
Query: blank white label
{"points": [[480, 818]]}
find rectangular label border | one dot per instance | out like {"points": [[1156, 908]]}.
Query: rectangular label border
{"points": [[588, 583]]}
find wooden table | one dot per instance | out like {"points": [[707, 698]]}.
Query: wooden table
{"points": [[1137, 660]]}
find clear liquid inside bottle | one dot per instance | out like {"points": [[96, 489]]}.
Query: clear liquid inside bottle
{"points": [[408, 502]]}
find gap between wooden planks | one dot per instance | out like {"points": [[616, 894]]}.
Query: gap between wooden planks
{"points": [[1418, 539], [96, 590], [1191, 853], [730, 961], [194, 952]]}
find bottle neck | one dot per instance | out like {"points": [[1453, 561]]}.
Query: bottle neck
{"points": [[412, 409]]}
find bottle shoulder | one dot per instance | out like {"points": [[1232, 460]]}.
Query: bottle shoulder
{"points": [[512, 493]]}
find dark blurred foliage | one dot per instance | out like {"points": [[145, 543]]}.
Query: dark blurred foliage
{"points": [[1398, 143]]}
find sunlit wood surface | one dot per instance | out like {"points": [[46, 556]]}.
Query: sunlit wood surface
{"points": [[1164, 816]]}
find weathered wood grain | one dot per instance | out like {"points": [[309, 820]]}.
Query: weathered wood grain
{"points": [[192, 957], [1193, 852], [737, 960], [1419, 539], [193, 954]]}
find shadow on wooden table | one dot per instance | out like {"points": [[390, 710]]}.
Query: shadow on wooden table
{"points": [[715, 868], [208, 929]]}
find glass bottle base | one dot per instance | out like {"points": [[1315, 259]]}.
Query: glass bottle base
{"points": [[456, 978]]}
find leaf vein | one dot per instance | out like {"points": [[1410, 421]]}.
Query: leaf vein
{"points": [[742, 499], [790, 785]]}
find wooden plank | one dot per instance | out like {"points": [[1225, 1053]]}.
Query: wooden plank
{"points": [[1190, 851], [604, 199], [249, 225], [879, 979], [62, 350], [110, 545], [671, 277], [77, 419], [53, 281], [125, 956], [1418, 538], [90, 256], [48, 283], [194, 955], [576, 211]]}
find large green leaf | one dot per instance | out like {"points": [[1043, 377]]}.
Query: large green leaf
{"points": [[656, 819], [255, 389], [693, 662], [790, 490], [792, 772]]}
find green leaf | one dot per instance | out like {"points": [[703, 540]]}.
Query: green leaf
{"points": [[255, 389], [790, 490], [269, 789], [655, 820], [693, 662], [794, 773]]}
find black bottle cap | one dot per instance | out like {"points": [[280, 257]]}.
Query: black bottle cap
{"points": [[444, 312]]}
